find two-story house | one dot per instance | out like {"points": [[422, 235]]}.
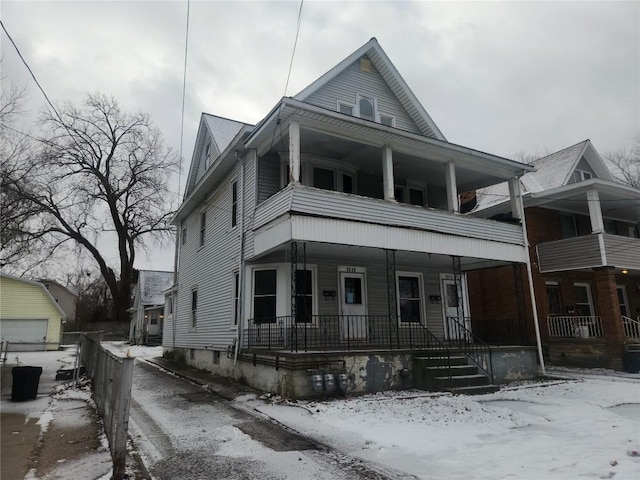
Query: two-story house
{"points": [[583, 229], [327, 241]]}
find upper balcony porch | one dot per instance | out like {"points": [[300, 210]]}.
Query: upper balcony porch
{"points": [[387, 187]]}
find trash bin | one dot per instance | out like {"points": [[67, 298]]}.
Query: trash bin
{"points": [[631, 358], [25, 383]]}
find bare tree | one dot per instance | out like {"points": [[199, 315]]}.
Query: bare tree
{"points": [[626, 164], [99, 179]]}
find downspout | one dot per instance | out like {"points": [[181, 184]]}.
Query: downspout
{"points": [[174, 301], [536, 323], [241, 271]]}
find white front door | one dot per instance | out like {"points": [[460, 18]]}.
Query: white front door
{"points": [[456, 322], [353, 303]]}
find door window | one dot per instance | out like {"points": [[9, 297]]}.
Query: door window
{"points": [[353, 291], [264, 296]]}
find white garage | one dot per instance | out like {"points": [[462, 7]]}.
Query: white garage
{"points": [[25, 334]]}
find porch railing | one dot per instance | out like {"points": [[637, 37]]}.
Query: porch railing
{"points": [[465, 341], [631, 328], [574, 326], [337, 333]]}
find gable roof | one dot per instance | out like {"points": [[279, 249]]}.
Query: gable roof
{"points": [[151, 286], [553, 171], [391, 76], [222, 131]]}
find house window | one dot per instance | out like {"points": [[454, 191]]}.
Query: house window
{"points": [[581, 175], [324, 178], [366, 108], [207, 155], [304, 296], [553, 299], [345, 108], [633, 231], [234, 203], [154, 318], [347, 183], [264, 296], [410, 195], [194, 307], [416, 196], [610, 227], [622, 300], [184, 235], [236, 293], [387, 120], [582, 299], [568, 227], [409, 298], [203, 225]]}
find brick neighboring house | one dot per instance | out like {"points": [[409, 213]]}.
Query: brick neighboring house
{"points": [[583, 228]]}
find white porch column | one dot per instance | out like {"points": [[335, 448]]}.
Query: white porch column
{"points": [[514, 195], [294, 152], [595, 212], [452, 188], [387, 173]]}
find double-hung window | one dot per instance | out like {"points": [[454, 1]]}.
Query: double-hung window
{"points": [[264, 295], [194, 308], [203, 227], [410, 297], [367, 108], [234, 203]]}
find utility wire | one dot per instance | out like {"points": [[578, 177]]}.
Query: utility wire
{"points": [[184, 90]]}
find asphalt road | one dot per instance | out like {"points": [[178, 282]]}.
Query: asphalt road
{"points": [[183, 431]]}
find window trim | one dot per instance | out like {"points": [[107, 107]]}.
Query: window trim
{"points": [[392, 117], [183, 236], [423, 316], [207, 155], [586, 285], [339, 169], [583, 175], [253, 289]]}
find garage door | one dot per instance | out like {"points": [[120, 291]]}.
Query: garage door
{"points": [[24, 335]]}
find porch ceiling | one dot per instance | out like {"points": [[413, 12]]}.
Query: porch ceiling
{"points": [[351, 255]]}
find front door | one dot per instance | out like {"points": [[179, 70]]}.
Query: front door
{"points": [[353, 304], [457, 325]]}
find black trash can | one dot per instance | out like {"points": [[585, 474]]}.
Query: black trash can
{"points": [[25, 383], [631, 358]]}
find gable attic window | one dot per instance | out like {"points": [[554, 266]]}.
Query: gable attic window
{"points": [[345, 108], [581, 175], [367, 108], [387, 120], [207, 155]]}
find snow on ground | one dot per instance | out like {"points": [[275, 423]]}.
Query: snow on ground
{"points": [[560, 430], [124, 349]]}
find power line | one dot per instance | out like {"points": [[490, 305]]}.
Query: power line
{"points": [[184, 89], [295, 43]]}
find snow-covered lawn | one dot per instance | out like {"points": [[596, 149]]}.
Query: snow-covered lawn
{"points": [[585, 428]]}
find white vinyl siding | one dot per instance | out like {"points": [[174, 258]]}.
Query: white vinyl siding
{"points": [[352, 82]]}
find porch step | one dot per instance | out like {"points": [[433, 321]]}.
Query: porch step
{"points": [[460, 381], [453, 373], [475, 390]]}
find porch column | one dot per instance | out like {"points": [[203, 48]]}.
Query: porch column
{"points": [[453, 203], [392, 299], [294, 152], [595, 212], [514, 195], [608, 309], [387, 173]]}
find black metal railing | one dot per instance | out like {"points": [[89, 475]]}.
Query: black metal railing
{"points": [[464, 340], [337, 333]]}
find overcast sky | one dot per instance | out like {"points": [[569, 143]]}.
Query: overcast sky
{"points": [[503, 77]]}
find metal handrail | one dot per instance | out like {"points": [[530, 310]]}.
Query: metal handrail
{"points": [[471, 346], [631, 328]]}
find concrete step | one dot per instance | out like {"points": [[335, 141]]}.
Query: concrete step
{"points": [[474, 390], [440, 360], [444, 370], [446, 383]]}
